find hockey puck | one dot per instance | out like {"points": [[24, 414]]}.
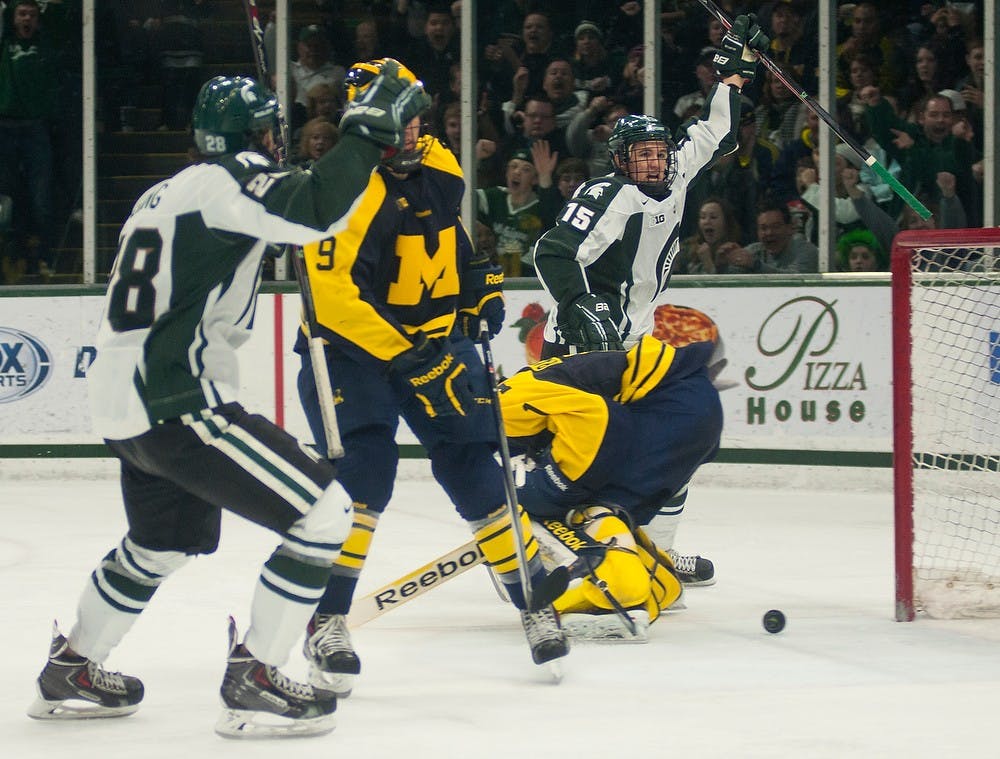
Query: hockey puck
{"points": [[774, 621]]}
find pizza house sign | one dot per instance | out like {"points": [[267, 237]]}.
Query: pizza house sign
{"points": [[798, 358]]}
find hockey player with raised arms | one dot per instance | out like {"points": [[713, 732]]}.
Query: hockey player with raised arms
{"points": [[609, 255], [609, 437], [399, 292], [163, 388]]}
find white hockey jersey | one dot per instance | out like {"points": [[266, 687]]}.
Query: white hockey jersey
{"points": [[182, 294], [613, 240]]}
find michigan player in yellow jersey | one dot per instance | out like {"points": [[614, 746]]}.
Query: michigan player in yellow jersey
{"points": [[613, 437], [398, 294]]}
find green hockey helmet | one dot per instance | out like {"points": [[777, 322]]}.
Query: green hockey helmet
{"points": [[230, 113], [643, 171]]}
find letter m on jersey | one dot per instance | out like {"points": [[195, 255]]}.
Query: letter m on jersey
{"points": [[421, 272]]}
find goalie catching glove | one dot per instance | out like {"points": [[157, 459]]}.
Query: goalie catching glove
{"points": [[436, 378], [738, 52], [587, 324], [481, 300], [387, 105]]}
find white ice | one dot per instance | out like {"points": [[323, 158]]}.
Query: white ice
{"points": [[449, 675]]}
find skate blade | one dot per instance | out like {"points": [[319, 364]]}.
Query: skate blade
{"points": [[555, 671], [68, 709], [247, 724], [337, 683]]}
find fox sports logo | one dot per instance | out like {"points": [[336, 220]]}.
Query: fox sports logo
{"points": [[25, 364]]}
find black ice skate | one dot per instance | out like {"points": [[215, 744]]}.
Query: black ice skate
{"points": [[74, 687], [261, 702], [692, 570], [333, 664], [545, 635]]}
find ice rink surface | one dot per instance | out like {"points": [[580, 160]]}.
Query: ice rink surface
{"points": [[450, 675]]}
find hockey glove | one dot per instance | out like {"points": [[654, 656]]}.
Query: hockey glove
{"points": [[737, 53], [482, 300], [389, 103], [586, 323], [548, 491], [438, 380]]}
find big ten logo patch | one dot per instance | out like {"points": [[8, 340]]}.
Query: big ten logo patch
{"points": [[25, 364]]}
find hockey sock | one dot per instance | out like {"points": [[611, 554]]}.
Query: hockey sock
{"points": [[294, 577], [116, 593], [496, 538], [347, 567]]}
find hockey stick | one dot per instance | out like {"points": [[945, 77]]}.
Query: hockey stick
{"points": [[416, 583], [317, 354], [816, 108], [510, 489]]}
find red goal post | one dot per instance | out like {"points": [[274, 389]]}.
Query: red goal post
{"points": [[946, 410]]}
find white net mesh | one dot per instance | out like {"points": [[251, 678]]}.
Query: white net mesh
{"points": [[955, 312]]}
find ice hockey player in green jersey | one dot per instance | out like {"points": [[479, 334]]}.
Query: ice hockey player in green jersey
{"points": [[180, 300], [610, 253]]}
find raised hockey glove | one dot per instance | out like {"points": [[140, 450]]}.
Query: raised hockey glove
{"points": [[437, 379], [481, 300], [388, 104], [737, 54], [586, 323]]}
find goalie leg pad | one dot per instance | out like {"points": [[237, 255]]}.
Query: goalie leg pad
{"points": [[607, 628]]}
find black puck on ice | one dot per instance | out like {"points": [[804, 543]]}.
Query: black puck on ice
{"points": [[774, 621]]}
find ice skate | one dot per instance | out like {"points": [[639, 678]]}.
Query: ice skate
{"points": [[692, 571], [545, 635], [260, 702], [333, 664], [74, 687]]}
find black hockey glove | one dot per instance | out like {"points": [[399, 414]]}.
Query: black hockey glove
{"points": [[387, 106], [481, 300], [737, 53], [586, 323], [438, 380]]}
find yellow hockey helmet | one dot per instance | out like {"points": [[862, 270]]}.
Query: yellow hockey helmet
{"points": [[357, 81]]}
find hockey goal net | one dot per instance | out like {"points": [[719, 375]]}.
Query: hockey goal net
{"points": [[946, 405]]}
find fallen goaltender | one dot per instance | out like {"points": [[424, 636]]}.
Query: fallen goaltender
{"points": [[620, 582]]}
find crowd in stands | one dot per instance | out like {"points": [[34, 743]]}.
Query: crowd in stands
{"points": [[553, 77]]}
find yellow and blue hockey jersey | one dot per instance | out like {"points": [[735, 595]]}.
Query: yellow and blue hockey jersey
{"points": [[396, 268]]}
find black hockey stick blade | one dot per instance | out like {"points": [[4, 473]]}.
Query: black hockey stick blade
{"points": [[549, 588]]}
